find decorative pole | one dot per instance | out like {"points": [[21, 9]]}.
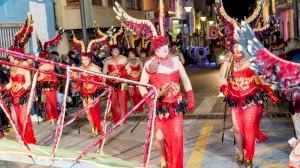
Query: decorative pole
{"points": [[296, 22], [83, 23]]}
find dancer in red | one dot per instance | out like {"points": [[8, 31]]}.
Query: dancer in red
{"points": [[161, 71], [48, 83], [246, 94], [166, 73], [115, 66], [134, 70], [19, 84], [89, 92]]}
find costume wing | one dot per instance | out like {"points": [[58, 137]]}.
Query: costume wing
{"points": [[254, 18], [98, 32], [24, 34], [226, 25], [96, 44], [39, 44], [54, 41], [285, 75], [77, 44], [141, 28]]}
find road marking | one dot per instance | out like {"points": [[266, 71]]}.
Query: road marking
{"points": [[206, 105], [198, 153], [270, 149], [269, 164]]}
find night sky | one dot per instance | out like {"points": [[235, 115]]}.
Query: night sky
{"points": [[239, 8]]}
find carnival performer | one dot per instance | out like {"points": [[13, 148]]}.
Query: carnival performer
{"points": [[89, 92], [165, 72], [134, 70], [20, 82], [281, 74], [245, 93], [114, 66], [144, 56], [162, 70], [48, 83]]}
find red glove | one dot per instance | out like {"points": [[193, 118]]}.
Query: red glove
{"points": [[191, 101], [224, 89], [269, 92]]}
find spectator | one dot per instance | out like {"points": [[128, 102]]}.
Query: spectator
{"points": [[73, 58], [4, 79], [277, 48]]}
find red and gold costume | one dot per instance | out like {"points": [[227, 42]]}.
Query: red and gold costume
{"points": [[169, 72], [20, 98], [48, 83], [90, 91], [19, 85], [166, 73], [115, 66], [134, 70], [246, 94], [283, 75]]}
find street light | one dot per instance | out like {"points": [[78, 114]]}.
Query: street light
{"points": [[211, 22], [203, 18], [188, 9]]}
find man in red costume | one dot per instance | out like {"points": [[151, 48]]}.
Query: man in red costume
{"points": [[245, 94], [48, 83], [89, 92], [115, 66], [165, 70], [134, 70]]}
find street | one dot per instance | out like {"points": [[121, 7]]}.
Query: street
{"points": [[202, 129]]}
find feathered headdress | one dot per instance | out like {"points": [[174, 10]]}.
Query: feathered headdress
{"points": [[132, 40], [45, 49], [97, 31], [23, 35], [227, 24], [143, 28], [115, 37], [93, 46]]}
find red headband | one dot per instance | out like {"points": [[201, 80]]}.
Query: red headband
{"points": [[158, 42]]}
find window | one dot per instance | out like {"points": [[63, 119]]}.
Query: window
{"points": [[72, 2], [97, 2], [111, 3], [133, 4]]}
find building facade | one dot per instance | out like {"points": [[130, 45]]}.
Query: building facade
{"points": [[99, 11], [12, 16], [285, 16]]}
